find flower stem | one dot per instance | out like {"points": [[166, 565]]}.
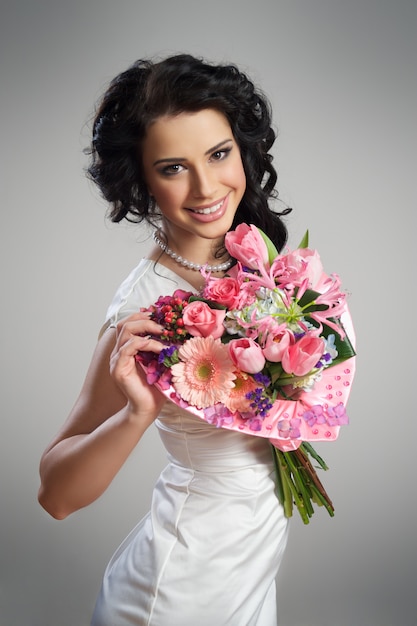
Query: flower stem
{"points": [[298, 483], [283, 485]]}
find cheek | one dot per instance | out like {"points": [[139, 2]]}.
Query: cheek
{"points": [[242, 176], [236, 175], [240, 181], [169, 195]]}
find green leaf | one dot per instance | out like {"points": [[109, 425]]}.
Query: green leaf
{"points": [[344, 347], [308, 449], [309, 297], [272, 250], [304, 241], [210, 303], [274, 370], [169, 361]]}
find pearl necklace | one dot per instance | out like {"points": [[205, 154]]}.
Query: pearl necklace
{"points": [[188, 264]]}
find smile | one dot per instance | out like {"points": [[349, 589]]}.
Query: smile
{"points": [[209, 210]]}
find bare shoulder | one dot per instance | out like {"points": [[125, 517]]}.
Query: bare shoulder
{"points": [[99, 397]]}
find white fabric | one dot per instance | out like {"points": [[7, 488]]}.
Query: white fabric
{"points": [[208, 551]]}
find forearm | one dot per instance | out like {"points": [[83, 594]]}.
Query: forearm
{"points": [[78, 469]]}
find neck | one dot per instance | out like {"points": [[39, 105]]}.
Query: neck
{"points": [[221, 267]]}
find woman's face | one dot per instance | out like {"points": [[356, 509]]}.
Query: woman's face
{"points": [[194, 170]]}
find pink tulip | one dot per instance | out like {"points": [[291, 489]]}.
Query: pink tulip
{"points": [[247, 355], [302, 356], [277, 344], [247, 246]]}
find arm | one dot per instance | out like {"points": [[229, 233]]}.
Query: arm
{"points": [[115, 407]]}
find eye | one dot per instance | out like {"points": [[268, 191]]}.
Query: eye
{"points": [[219, 155], [172, 169]]}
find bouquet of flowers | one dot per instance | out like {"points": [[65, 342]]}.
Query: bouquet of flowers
{"points": [[263, 351]]}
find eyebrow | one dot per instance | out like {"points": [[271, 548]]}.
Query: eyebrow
{"points": [[178, 159]]}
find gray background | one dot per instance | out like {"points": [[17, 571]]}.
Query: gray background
{"points": [[341, 79]]}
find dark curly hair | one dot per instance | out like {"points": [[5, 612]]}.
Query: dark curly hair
{"points": [[178, 84]]}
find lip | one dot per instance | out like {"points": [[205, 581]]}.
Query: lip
{"points": [[211, 212]]}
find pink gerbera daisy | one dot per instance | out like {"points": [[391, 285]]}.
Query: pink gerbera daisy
{"points": [[205, 374], [236, 399]]}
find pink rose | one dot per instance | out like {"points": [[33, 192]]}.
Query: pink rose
{"points": [[225, 291], [202, 321], [302, 356], [247, 355], [277, 344], [247, 246]]}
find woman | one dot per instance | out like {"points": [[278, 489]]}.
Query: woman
{"points": [[184, 145]]}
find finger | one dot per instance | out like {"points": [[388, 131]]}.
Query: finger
{"points": [[138, 326], [123, 361], [136, 344]]}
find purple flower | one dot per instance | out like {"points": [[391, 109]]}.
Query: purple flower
{"points": [[337, 416], [156, 372], [289, 429], [326, 359], [260, 402], [262, 379], [218, 415], [255, 424], [165, 378], [315, 415], [166, 353]]}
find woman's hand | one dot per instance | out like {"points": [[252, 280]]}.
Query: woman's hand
{"points": [[115, 407], [133, 335]]}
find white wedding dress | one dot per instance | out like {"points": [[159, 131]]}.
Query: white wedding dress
{"points": [[208, 551]]}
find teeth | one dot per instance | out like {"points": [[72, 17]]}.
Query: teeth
{"points": [[209, 210]]}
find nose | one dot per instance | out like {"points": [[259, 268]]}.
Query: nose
{"points": [[203, 183]]}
